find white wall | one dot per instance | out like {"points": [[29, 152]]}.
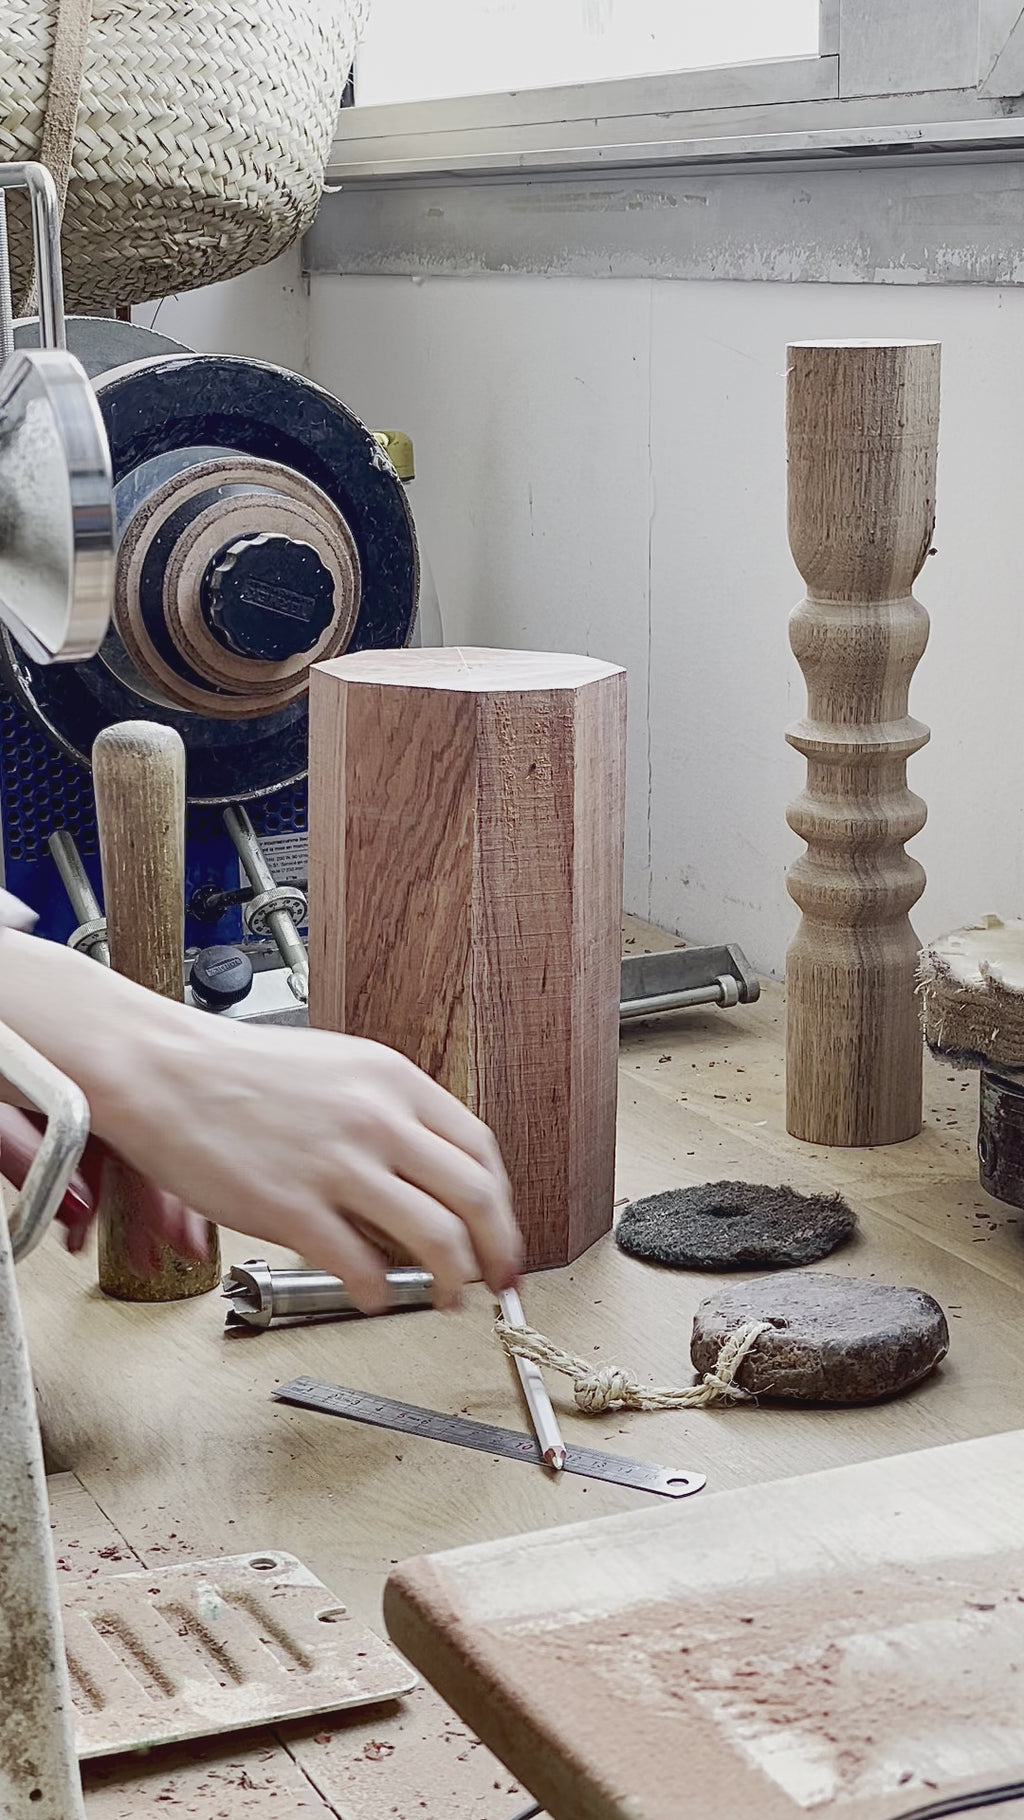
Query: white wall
{"points": [[601, 467], [262, 314], [412, 52]]}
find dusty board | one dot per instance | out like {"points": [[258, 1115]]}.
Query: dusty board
{"points": [[695, 1661], [216, 1466]]}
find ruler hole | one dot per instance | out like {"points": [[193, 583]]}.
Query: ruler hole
{"points": [[264, 1563], [333, 1615]]}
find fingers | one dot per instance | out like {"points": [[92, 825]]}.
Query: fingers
{"points": [[19, 1142], [178, 1226], [143, 1248], [325, 1239], [421, 1226], [467, 1175], [162, 1219], [459, 1182]]}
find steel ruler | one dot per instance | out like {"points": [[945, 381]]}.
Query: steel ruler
{"points": [[406, 1418]]}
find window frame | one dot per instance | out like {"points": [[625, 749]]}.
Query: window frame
{"points": [[879, 81]]}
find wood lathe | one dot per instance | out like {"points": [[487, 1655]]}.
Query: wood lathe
{"points": [[253, 527]]}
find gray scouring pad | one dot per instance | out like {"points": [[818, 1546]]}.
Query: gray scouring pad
{"points": [[734, 1226]]}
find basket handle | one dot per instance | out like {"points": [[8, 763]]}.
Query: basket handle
{"points": [[63, 93]]}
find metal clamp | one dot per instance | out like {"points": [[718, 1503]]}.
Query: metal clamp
{"points": [[681, 978], [67, 1129], [91, 938], [284, 900]]}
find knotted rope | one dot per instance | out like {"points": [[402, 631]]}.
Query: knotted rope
{"points": [[600, 1387]]}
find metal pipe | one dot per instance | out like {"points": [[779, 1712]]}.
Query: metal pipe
{"points": [[724, 992], [38, 1762], [91, 932], [260, 1296], [76, 880], [6, 292], [42, 191], [242, 832], [273, 905]]}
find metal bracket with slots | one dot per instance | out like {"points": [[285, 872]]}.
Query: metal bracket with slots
{"points": [[215, 1646]]}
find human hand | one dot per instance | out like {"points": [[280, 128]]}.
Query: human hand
{"points": [[163, 1220], [327, 1144]]}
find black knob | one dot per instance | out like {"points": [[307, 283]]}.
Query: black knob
{"points": [[220, 977], [268, 597]]}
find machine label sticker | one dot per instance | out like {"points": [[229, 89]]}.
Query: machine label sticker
{"points": [[287, 855]]}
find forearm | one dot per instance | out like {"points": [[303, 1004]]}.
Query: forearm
{"points": [[92, 1024], [302, 1137]]}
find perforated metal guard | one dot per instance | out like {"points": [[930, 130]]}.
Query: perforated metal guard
{"points": [[214, 1646], [40, 789]]}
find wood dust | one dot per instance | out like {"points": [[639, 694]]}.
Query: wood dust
{"points": [[840, 1692]]}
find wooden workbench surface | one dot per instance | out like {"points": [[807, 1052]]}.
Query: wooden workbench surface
{"points": [[848, 1640], [169, 1426]]}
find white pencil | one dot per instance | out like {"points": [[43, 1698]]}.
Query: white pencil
{"points": [[545, 1424]]}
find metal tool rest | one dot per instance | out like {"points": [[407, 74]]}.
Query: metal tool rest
{"points": [[682, 978]]}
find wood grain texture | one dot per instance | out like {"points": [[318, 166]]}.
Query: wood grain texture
{"points": [[170, 1425], [691, 1659], [139, 778], [466, 812], [863, 431]]}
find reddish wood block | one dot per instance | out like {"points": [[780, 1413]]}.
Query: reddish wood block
{"points": [[465, 884]]}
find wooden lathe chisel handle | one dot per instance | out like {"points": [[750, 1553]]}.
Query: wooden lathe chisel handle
{"points": [[139, 779]]}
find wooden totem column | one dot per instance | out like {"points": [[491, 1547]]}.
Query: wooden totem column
{"points": [[863, 430], [465, 895]]}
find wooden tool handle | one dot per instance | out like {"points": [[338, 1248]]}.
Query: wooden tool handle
{"points": [[139, 779]]}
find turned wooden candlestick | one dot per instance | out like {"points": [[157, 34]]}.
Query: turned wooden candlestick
{"points": [[863, 431], [465, 897]]}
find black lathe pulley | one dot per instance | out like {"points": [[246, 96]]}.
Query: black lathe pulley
{"points": [[176, 413]]}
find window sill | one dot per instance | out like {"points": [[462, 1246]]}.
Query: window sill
{"points": [[902, 189], [753, 113]]}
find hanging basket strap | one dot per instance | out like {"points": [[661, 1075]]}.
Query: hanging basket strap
{"points": [[63, 93]]}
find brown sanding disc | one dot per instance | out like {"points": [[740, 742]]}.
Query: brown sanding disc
{"points": [[734, 1226], [833, 1339]]}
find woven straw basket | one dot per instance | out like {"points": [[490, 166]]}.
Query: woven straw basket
{"points": [[190, 136]]}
